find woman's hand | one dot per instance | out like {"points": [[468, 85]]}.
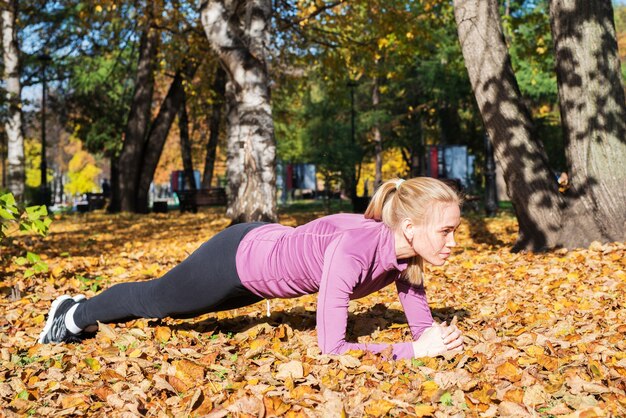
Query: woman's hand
{"points": [[438, 339]]}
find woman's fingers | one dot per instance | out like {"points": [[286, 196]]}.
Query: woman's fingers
{"points": [[449, 331], [452, 336], [457, 344]]}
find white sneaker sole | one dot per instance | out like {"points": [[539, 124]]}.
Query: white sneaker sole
{"points": [[53, 309]]}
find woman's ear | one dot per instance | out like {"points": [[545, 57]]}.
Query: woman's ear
{"points": [[407, 229]]}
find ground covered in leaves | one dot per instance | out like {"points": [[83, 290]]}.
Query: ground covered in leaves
{"points": [[544, 334]]}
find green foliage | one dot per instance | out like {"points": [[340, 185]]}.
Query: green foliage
{"points": [[446, 399], [94, 284], [31, 219], [532, 52], [33, 262]]}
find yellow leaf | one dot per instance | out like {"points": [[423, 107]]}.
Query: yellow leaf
{"points": [[424, 410], [549, 363], [302, 391], [93, 364], [378, 408], [162, 334], [534, 350], [73, 401], [135, 353], [596, 369], [258, 343], [429, 389]]}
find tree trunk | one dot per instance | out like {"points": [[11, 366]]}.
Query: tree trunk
{"points": [[185, 143], [114, 202], [13, 126], [219, 88], [378, 139], [156, 138], [130, 158], [530, 182], [240, 36], [593, 114]]}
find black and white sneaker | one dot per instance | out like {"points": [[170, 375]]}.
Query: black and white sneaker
{"points": [[55, 330]]}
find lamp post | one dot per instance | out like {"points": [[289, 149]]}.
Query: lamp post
{"points": [[491, 193], [43, 190]]}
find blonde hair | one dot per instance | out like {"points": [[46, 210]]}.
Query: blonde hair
{"points": [[397, 199]]}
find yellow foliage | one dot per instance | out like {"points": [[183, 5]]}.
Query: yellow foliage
{"points": [[393, 166], [82, 174], [32, 154]]}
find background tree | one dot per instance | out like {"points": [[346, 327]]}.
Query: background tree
{"points": [[530, 182], [13, 125], [137, 125], [547, 218], [239, 34], [593, 114]]}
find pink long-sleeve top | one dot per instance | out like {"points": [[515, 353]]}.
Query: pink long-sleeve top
{"points": [[342, 257]]}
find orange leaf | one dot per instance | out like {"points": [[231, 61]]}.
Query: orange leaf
{"points": [[102, 392], [275, 407], [509, 371]]}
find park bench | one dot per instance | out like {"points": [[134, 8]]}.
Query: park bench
{"points": [[96, 201], [190, 200], [92, 201]]}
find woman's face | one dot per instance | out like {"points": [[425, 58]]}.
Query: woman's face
{"points": [[434, 239]]}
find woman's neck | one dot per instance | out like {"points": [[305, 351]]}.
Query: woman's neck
{"points": [[404, 249]]}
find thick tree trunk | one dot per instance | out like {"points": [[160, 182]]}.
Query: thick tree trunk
{"points": [[378, 139], [156, 139], [529, 180], [13, 125], [130, 159], [185, 143], [219, 88], [240, 36], [593, 113]]}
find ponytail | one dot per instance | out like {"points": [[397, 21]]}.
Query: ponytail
{"points": [[397, 199]]}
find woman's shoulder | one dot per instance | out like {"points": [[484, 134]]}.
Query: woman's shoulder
{"points": [[347, 221]]}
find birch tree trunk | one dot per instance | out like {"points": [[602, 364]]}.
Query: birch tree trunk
{"points": [[13, 125], [219, 88], [593, 116], [239, 33], [530, 182], [130, 159]]}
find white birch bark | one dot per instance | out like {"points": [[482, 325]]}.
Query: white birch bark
{"points": [[13, 125], [239, 32]]}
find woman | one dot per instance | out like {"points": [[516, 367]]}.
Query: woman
{"points": [[341, 257]]}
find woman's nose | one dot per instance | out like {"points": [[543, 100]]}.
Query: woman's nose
{"points": [[451, 242]]}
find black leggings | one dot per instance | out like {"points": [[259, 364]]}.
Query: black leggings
{"points": [[206, 281]]}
